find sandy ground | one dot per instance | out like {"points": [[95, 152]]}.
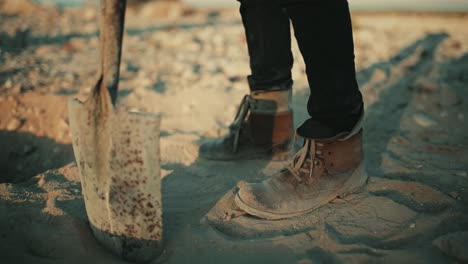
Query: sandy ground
{"points": [[190, 66]]}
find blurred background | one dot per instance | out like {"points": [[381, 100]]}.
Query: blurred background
{"points": [[447, 5]]}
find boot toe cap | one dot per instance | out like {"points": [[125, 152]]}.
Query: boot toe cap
{"points": [[255, 196]]}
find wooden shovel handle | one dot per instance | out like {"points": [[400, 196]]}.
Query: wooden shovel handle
{"points": [[111, 34]]}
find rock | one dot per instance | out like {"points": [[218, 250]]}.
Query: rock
{"points": [[31, 129], [448, 97], [62, 124], [424, 120], [456, 44], [426, 85], [74, 45], [89, 14], [455, 195], [13, 124], [305, 261], [41, 182], [454, 245], [28, 149], [46, 50], [8, 84]]}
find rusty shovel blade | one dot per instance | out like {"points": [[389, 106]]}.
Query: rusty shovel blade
{"points": [[117, 154]]}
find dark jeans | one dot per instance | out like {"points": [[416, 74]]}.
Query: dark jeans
{"points": [[324, 34]]}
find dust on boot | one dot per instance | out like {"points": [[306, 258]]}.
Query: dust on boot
{"points": [[262, 128], [322, 170]]}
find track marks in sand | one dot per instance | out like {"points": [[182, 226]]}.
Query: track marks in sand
{"points": [[395, 215], [454, 245], [371, 221], [416, 196]]}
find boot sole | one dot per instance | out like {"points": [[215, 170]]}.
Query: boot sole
{"points": [[355, 184]]}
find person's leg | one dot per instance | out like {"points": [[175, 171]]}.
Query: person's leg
{"points": [[264, 125], [267, 30], [330, 162], [324, 34]]}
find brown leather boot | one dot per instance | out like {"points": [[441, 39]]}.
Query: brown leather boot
{"points": [[320, 171], [262, 128]]}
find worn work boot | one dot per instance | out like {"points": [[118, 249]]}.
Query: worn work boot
{"points": [[322, 170], [262, 128]]}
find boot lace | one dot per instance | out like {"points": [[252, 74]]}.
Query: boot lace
{"points": [[312, 149], [242, 112]]}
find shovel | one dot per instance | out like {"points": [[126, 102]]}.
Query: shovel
{"points": [[117, 154]]}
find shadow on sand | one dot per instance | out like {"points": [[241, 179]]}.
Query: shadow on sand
{"points": [[24, 155]]}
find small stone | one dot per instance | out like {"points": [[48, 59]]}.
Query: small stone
{"points": [[27, 149], [8, 84], [461, 116], [413, 225], [456, 44], [62, 124], [45, 50], [13, 124], [454, 195], [424, 120], [89, 14], [461, 174], [305, 261], [41, 182], [242, 184], [454, 245], [426, 85]]}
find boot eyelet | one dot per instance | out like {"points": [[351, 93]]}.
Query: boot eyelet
{"points": [[329, 152]]}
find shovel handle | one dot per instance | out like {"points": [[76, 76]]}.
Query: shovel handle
{"points": [[111, 34]]}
